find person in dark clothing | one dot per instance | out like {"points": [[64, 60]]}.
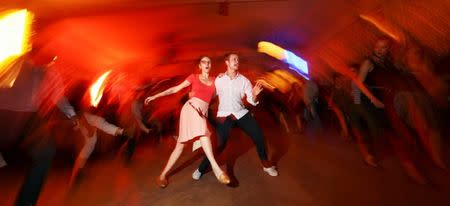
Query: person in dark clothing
{"points": [[386, 81], [37, 91], [346, 105]]}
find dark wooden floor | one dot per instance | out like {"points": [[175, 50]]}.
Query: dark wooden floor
{"points": [[314, 170]]}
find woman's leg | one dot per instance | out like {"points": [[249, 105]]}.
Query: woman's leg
{"points": [[176, 153], [83, 156], [207, 148]]}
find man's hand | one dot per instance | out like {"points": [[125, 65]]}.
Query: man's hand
{"points": [[146, 130], [377, 103], [75, 121], [119, 131], [257, 89]]}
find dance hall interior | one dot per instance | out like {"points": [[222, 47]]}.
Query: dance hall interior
{"points": [[224, 102]]}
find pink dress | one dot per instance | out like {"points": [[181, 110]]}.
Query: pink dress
{"points": [[193, 115]]}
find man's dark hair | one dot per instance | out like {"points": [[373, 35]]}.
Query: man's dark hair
{"points": [[385, 38], [228, 54]]}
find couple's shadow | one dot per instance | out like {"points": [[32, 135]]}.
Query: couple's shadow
{"points": [[277, 143]]}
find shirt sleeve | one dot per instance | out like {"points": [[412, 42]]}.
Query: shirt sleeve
{"points": [[356, 94], [55, 87], [190, 78], [65, 107], [248, 92], [101, 123]]}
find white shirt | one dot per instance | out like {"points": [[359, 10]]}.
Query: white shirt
{"points": [[231, 92], [356, 94]]}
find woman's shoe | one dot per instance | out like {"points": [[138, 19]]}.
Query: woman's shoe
{"points": [[162, 182], [223, 178]]}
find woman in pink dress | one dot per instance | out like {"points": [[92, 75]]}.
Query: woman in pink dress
{"points": [[193, 126]]}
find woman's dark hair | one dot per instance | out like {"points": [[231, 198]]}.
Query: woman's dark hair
{"points": [[201, 57]]}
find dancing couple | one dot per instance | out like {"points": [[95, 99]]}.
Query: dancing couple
{"points": [[230, 87]]}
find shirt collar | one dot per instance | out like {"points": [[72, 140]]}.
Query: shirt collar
{"points": [[237, 75]]}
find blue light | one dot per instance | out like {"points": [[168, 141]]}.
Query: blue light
{"points": [[297, 64]]}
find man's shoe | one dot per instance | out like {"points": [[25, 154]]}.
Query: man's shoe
{"points": [[196, 175], [271, 171]]}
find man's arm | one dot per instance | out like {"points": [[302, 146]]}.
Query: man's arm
{"points": [[251, 93], [57, 95], [365, 68], [65, 107], [102, 124], [136, 111]]}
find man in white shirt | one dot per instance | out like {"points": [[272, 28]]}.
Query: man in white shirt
{"points": [[231, 89]]}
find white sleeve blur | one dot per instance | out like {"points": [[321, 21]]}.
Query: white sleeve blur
{"points": [[100, 123], [65, 107]]}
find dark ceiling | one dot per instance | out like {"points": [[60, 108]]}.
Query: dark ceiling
{"points": [[164, 37]]}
